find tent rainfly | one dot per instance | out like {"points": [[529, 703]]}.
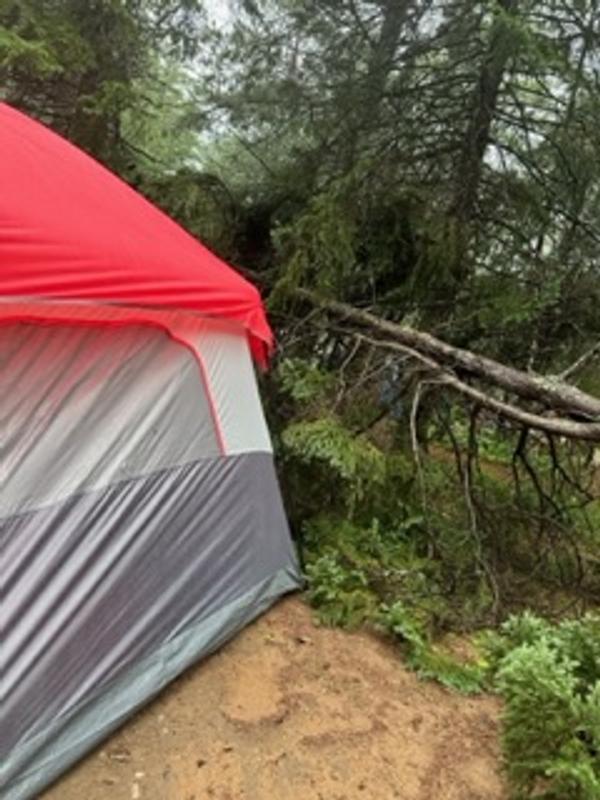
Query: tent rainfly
{"points": [[141, 524]]}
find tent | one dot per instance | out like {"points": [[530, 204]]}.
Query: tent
{"points": [[141, 523]]}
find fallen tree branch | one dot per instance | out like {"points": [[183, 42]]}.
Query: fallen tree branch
{"points": [[550, 391], [441, 359], [588, 431]]}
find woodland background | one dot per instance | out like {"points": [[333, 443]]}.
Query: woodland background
{"points": [[388, 171]]}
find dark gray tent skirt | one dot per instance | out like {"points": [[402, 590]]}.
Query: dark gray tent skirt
{"points": [[107, 596]]}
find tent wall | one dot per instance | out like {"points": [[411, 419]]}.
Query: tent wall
{"points": [[87, 407], [140, 526]]}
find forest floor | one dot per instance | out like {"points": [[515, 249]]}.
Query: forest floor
{"points": [[292, 711]]}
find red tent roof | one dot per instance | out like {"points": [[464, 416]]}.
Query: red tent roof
{"points": [[71, 230]]}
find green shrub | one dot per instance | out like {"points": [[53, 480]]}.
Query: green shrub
{"points": [[426, 659], [303, 381], [340, 594], [549, 678]]}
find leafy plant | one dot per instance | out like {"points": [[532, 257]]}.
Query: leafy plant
{"points": [[303, 381], [353, 460], [549, 678], [340, 594], [426, 659], [343, 595]]}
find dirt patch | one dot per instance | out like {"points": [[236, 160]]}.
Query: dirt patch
{"points": [[291, 711]]}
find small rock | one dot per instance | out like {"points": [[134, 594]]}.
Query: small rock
{"points": [[200, 763], [120, 755], [135, 792]]}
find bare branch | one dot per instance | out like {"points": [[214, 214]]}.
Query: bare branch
{"points": [[581, 362]]}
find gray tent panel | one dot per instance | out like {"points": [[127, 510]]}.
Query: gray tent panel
{"points": [[109, 595], [66, 741]]}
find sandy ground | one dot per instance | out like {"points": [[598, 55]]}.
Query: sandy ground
{"points": [[291, 711]]}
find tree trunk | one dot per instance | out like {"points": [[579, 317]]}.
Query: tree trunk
{"points": [[483, 105], [381, 61]]}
